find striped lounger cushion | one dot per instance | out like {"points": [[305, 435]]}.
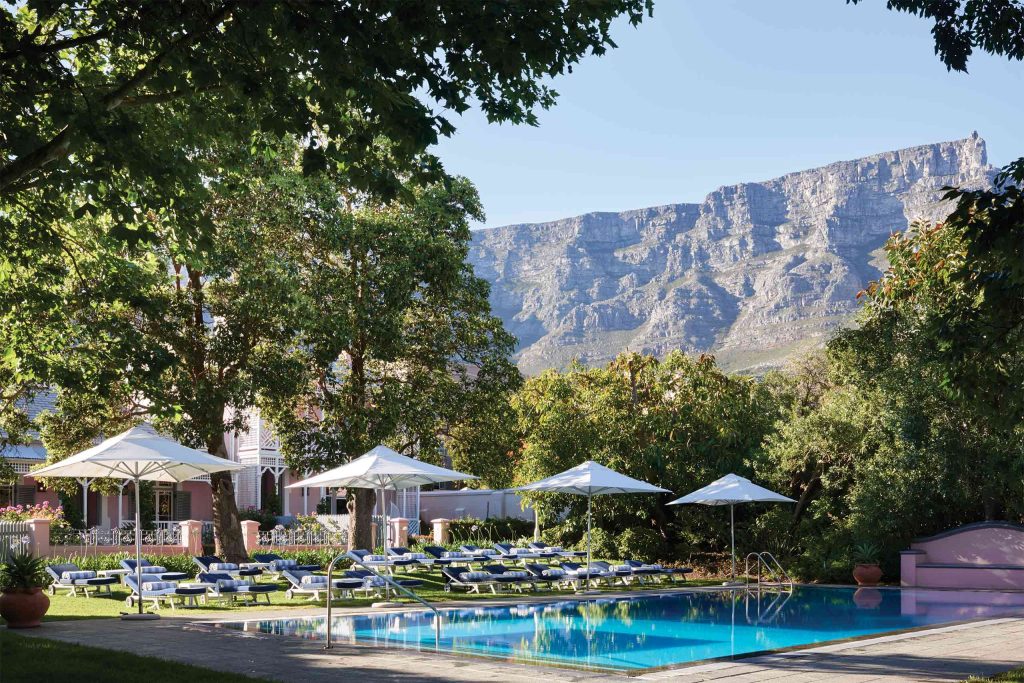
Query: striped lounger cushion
{"points": [[474, 576], [375, 558], [231, 584], [221, 566], [454, 554], [515, 575], [153, 569], [158, 585], [75, 576], [553, 573], [313, 580], [415, 556]]}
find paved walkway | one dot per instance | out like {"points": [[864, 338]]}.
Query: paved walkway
{"points": [[946, 654]]}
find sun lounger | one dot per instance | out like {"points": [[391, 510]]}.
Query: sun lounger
{"points": [[380, 561], [152, 572], [579, 574], [507, 551], [402, 554], [657, 570], [213, 564], [158, 592], [472, 581], [374, 582], [226, 587], [556, 551], [623, 572], [277, 564], [506, 576], [443, 557], [552, 576], [304, 582], [479, 554], [72, 578]]}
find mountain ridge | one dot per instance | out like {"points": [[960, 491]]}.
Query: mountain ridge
{"points": [[756, 272]]}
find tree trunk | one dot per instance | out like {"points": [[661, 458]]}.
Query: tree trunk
{"points": [[227, 527], [360, 518]]}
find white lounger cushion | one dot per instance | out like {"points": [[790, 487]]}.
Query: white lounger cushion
{"points": [[221, 566], [231, 583], [74, 576], [375, 558], [158, 585], [454, 554], [415, 556]]}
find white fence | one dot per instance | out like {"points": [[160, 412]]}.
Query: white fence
{"points": [[14, 537], [110, 537]]}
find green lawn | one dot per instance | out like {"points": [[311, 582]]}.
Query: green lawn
{"points": [[38, 659], [1015, 676], [63, 607]]}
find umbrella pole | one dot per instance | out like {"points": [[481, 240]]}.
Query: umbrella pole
{"points": [[138, 540], [732, 531], [589, 558]]}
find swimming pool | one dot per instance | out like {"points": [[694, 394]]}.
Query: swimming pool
{"points": [[628, 634]]}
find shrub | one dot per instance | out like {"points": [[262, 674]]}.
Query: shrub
{"points": [[640, 543], [267, 519], [173, 563], [489, 530], [602, 544], [320, 556]]}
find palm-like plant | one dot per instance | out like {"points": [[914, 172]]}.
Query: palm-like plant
{"points": [[23, 571], [866, 553]]}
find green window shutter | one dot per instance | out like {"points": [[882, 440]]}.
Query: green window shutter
{"points": [[25, 495], [182, 505]]}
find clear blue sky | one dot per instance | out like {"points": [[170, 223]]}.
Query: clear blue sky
{"points": [[715, 92]]}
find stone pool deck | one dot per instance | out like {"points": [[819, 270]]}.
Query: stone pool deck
{"points": [[950, 653]]}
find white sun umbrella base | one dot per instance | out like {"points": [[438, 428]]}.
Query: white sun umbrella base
{"points": [[591, 479], [731, 490], [139, 454]]}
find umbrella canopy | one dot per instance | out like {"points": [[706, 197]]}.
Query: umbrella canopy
{"points": [[591, 479], [731, 490], [383, 469], [138, 454]]}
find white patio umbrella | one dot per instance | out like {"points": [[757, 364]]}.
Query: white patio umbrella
{"points": [[384, 470], [731, 490], [139, 454], [591, 479]]}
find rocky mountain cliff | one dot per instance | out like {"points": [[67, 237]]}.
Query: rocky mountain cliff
{"points": [[754, 274]]}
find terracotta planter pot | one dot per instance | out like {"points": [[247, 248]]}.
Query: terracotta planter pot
{"points": [[867, 574], [23, 608]]}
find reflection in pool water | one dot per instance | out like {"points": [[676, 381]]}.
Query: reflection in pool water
{"points": [[657, 630]]}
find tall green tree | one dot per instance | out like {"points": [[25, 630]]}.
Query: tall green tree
{"points": [[154, 331], [109, 99], [677, 423], [397, 345]]}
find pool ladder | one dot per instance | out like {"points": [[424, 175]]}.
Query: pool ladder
{"points": [[770, 574]]}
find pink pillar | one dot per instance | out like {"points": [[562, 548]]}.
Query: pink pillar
{"points": [[399, 532], [39, 541], [192, 537], [251, 534], [908, 566], [441, 530]]}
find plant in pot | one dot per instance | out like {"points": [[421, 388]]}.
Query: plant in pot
{"points": [[22, 601], [866, 571]]}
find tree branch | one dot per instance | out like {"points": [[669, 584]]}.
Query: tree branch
{"points": [[60, 144], [35, 50]]}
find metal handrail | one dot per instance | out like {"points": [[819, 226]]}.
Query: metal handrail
{"points": [[767, 560], [388, 580]]}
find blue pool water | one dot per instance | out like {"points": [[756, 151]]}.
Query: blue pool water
{"points": [[626, 634]]}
